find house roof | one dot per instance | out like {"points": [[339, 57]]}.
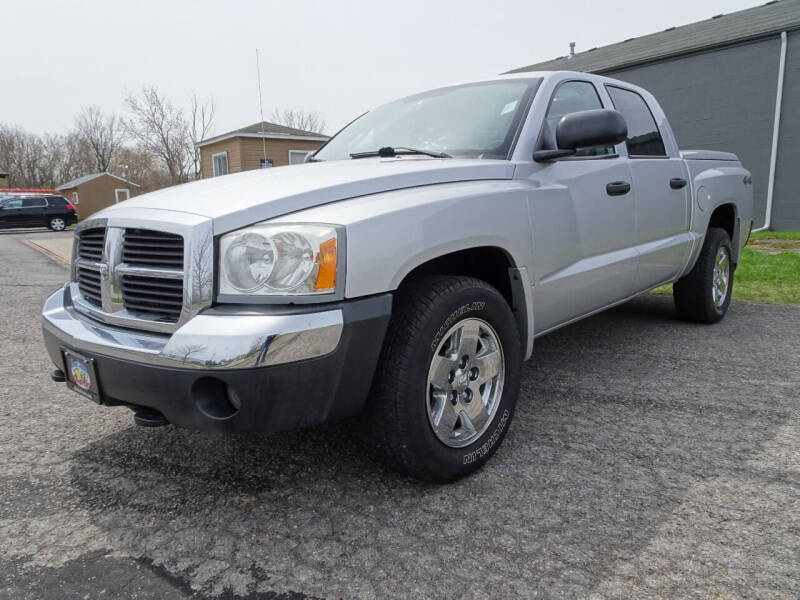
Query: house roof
{"points": [[720, 30], [85, 178], [268, 130]]}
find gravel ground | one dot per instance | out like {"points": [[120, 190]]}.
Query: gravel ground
{"points": [[648, 458]]}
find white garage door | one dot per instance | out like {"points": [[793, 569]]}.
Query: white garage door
{"points": [[297, 157]]}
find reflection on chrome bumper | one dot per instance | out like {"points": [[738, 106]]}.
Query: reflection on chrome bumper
{"points": [[210, 340]]}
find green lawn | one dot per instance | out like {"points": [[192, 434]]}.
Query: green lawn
{"points": [[761, 277], [775, 235]]}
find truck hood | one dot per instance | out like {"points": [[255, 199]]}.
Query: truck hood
{"points": [[236, 200]]}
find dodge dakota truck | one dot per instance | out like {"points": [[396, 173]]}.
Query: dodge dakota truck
{"points": [[402, 274]]}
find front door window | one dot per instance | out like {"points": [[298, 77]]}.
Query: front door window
{"points": [[571, 97]]}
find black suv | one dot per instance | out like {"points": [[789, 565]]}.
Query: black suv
{"points": [[37, 211]]}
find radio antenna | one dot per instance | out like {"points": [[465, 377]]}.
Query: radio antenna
{"points": [[261, 107]]}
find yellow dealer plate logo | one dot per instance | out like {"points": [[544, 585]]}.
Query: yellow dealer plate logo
{"points": [[80, 375]]}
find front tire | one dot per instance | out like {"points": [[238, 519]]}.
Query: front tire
{"points": [[703, 296], [447, 381]]}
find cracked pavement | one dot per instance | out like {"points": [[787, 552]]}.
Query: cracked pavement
{"points": [[648, 458]]}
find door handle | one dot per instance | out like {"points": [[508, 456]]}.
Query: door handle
{"points": [[677, 183], [618, 188]]}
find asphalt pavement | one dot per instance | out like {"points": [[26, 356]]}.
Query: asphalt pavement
{"points": [[649, 458]]}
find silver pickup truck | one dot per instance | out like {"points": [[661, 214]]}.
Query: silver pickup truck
{"points": [[403, 273]]}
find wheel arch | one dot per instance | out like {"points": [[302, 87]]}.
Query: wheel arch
{"points": [[494, 265], [725, 217]]}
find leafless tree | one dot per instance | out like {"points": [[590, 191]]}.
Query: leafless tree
{"points": [[77, 157], [61, 158], [161, 129], [202, 264], [185, 351], [103, 132], [142, 168], [21, 155], [42, 160], [163, 152], [201, 126], [309, 120]]}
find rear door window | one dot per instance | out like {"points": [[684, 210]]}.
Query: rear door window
{"points": [[644, 139], [33, 203]]}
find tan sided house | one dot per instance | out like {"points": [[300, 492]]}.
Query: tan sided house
{"points": [[94, 192], [255, 147]]}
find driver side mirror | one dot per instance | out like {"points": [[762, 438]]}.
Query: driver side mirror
{"points": [[585, 129]]}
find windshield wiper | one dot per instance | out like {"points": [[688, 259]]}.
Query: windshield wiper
{"points": [[388, 152]]}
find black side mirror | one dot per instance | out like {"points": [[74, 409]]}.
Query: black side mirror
{"points": [[584, 129]]}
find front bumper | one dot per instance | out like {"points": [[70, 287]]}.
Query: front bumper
{"points": [[229, 368]]}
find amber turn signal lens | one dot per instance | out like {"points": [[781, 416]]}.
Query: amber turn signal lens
{"points": [[326, 276]]}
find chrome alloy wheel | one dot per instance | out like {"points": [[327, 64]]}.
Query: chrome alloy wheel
{"points": [[720, 281], [465, 382], [57, 224]]}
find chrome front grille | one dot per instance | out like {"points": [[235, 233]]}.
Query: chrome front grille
{"points": [[90, 285], [153, 297], [151, 294], [90, 248], [152, 248], [91, 242], [133, 276]]}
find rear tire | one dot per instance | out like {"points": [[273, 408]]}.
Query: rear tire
{"points": [[57, 223], [703, 296], [447, 381]]}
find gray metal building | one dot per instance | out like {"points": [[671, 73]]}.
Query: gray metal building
{"points": [[730, 83]]}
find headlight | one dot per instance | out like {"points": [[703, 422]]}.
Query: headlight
{"points": [[279, 260]]}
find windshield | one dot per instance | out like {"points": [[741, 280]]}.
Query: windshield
{"points": [[477, 120]]}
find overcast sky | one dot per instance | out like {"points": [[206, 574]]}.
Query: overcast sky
{"points": [[336, 57]]}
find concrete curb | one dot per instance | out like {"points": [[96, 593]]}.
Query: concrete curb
{"points": [[64, 262]]}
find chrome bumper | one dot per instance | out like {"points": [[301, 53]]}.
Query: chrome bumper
{"points": [[214, 339]]}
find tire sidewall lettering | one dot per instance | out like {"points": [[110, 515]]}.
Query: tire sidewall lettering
{"points": [[485, 448], [454, 316]]}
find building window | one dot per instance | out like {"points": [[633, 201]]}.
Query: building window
{"points": [[298, 156], [121, 194], [220, 162], [266, 163], [75, 198], [644, 139]]}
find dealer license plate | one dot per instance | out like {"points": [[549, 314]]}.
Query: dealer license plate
{"points": [[82, 375]]}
